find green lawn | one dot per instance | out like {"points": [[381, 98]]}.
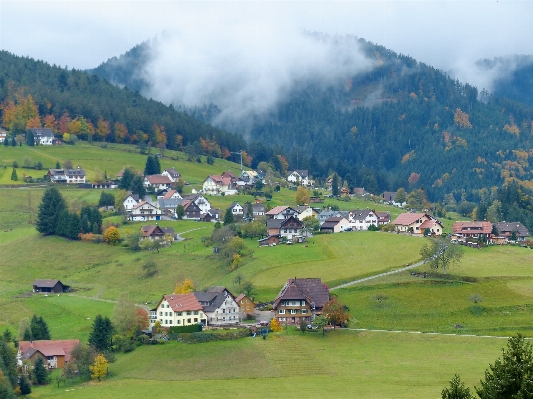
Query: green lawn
{"points": [[341, 365]]}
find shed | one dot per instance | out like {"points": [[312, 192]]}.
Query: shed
{"points": [[44, 286]]}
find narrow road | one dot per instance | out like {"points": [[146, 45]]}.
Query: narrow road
{"points": [[401, 269], [180, 238]]}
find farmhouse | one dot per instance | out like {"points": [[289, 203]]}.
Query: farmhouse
{"points": [[236, 209], [145, 211], [300, 299], [362, 219], [200, 201], [383, 218], [45, 286], [192, 211], [130, 201], [55, 352], [289, 228], [416, 223], [219, 306], [472, 229], [506, 229], [172, 174], [246, 305], [258, 209], [43, 136], [66, 175], [335, 225], [216, 184], [178, 310], [157, 182], [281, 213]]}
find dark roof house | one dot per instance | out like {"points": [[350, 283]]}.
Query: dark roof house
{"points": [[50, 286]]}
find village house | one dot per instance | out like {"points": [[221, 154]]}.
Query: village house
{"points": [[390, 198], [176, 310], [335, 225], [157, 182], [43, 136], [359, 191], [145, 211], [506, 229], [154, 232], [299, 176], [269, 240], [281, 213], [219, 305], [383, 218], [55, 353], [236, 209], [417, 223], [192, 211], [258, 210], [305, 211], [169, 206], [362, 219], [68, 176], [172, 174], [246, 305], [50, 286], [287, 228], [200, 201], [328, 213], [172, 194], [216, 184], [130, 201], [473, 230], [300, 299]]}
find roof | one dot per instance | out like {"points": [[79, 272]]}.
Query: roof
{"points": [[302, 172], [429, 223], [359, 191], [360, 213], [258, 208], [220, 180], [158, 179], [50, 347], [239, 298], [383, 215], [233, 205], [509, 227], [311, 289], [182, 302], [46, 283], [172, 172], [170, 193], [474, 227], [42, 132], [133, 196], [276, 210], [147, 231], [332, 222], [66, 172], [389, 196], [169, 202], [406, 219]]}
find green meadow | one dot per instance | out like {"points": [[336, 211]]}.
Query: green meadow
{"points": [[427, 320]]}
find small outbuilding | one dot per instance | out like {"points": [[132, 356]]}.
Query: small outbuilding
{"points": [[50, 286]]}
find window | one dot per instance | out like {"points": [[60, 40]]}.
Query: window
{"points": [[195, 312], [304, 311], [196, 319], [189, 321], [294, 311], [160, 313], [281, 311], [179, 322], [170, 322], [302, 303], [189, 313]]}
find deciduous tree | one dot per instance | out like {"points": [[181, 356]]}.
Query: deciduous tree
{"points": [[335, 312], [99, 368], [302, 196], [184, 287], [439, 253], [112, 235]]}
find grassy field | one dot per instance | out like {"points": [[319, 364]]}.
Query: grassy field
{"points": [[344, 364]]}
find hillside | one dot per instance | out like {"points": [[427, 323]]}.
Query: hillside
{"points": [[401, 124]]}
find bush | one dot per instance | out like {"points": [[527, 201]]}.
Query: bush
{"points": [[186, 329]]}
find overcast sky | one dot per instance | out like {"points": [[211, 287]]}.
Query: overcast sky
{"points": [[449, 35]]}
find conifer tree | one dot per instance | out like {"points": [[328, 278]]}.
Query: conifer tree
{"points": [[125, 180], [14, 175], [30, 138], [150, 166], [51, 206], [137, 186], [24, 385], [101, 334], [228, 217], [39, 372], [157, 166], [74, 226]]}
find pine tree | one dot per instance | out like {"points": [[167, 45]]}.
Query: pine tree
{"points": [[39, 372], [125, 180], [150, 166], [30, 139], [58, 165], [228, 217], [137, 186], [63, 223], [14, 175], [24, 384], [74, 226], [157, 166], [335, 184], [101, 334], [51, 206]]}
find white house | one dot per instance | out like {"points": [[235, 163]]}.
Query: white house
{"points": [[299, 177], [335, 225], [130, 201], [236, 209], [219, 306], [305, 211], [68, 176], [177, 310], [172, 174], [281, 212], [145, 211], [43, 136], [172, 194], [216, 184], [417, 223], [362, 219], [157, 182]]}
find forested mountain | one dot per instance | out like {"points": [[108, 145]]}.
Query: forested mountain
{"points": [[402, 124], [35, 94]]}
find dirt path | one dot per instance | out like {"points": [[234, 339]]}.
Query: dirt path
{"points": [[401, 269]]}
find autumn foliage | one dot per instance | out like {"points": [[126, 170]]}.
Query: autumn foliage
{"points": [[275, 325], [184, 287]]}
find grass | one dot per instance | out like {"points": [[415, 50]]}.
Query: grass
{"points": [[343, 364]]}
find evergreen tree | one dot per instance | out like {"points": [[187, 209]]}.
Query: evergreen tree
{"points": [[228, 217], [101, 334], [74, 226], [63, 221], [51, 206], [149, 166], [39, 372], [457, 390], [7, 335], [137, 186], [157, 166], [85, 225], [13, 141], [39, 328], [511, 376], [6, 391], [58, 165], [14, 175], [335, 184], [6, 141], [27, 335], [24, 384], [125, 180], [30, 139], [8, 362]]}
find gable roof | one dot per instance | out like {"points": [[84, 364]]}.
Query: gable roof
{"points": [[158, 179], [360, 213], [46, 283], [181, 302], [148, 231], [173, 172], [427, 224], [42, 132], [276, 210], [311, 289], [50, 347], [472, 227], [330, 223], [302, 172], [135, 197], [233, 205], [509, 227], [406, 219], [170, 193]]}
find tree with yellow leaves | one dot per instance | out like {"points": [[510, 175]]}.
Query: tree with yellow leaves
{"points": [[112, 235], [302, 196], [275, 325], [99, 368], [185, 287]]}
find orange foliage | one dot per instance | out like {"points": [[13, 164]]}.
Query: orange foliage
{"points": [[121, 131], [160, 134], [34, 122], [413, 178], [462, 119], [50, 122], [142, 318], [102, 130], [64, 122], [246, 159], [179, 141], [284, 163], [226, 153], [408, 156]]}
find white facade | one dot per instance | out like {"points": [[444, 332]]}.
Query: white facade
{"points": [[362, 220], [129, 203], [171, 315], [228, 312], [295, 177], [145, 211]]}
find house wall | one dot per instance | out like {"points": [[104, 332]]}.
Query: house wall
{"points": [[293, 311], [341, 226], [246, 305], [168, 318], [415, 226], [227, 313], [363, 224]]}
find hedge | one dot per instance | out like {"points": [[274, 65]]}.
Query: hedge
{"points": [[185, 329]]}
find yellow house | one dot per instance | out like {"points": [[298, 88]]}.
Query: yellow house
{"points": [[178, 310]]}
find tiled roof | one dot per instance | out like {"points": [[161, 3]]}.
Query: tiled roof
{"points": [[311, 289], [472, 227], [429, 223], [509, 227], [183, 302], [45, 283], [405, 219], [158, 179], [302, 172], [51, 347], [147, 231], [276, 210]]}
